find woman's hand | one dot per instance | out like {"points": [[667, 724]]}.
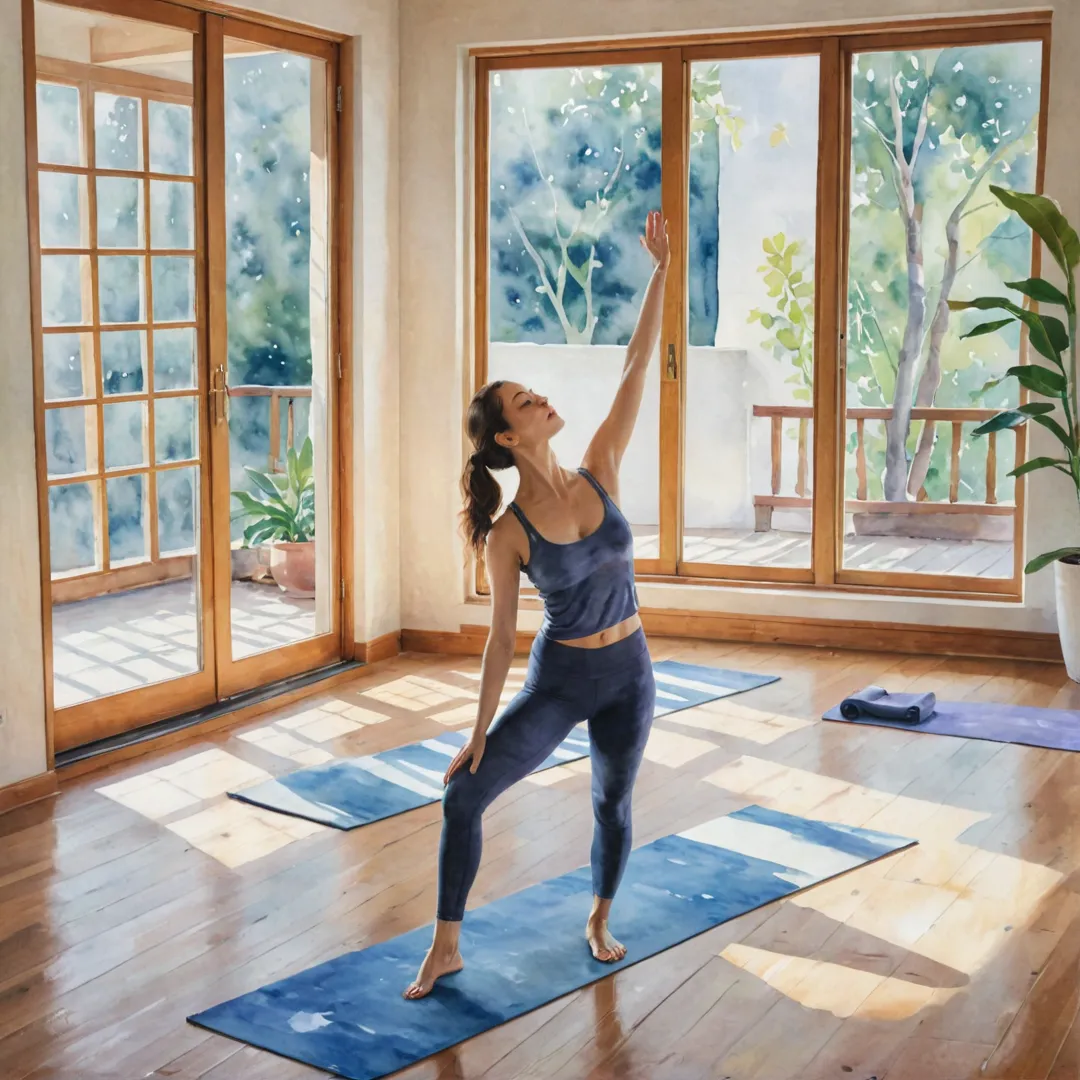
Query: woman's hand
{"points": [[655, 240], [473, 749]]}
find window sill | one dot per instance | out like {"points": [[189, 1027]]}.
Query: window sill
{"points": [[529, 600]]}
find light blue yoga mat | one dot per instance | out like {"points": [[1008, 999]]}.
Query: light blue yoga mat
{"points": [[347, 1016], [351, 792]]}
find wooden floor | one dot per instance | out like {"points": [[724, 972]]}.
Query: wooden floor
{"points": [[142, 894]]}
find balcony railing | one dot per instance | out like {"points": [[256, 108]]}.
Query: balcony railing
{"points": [[276, 394], [765, 505]]}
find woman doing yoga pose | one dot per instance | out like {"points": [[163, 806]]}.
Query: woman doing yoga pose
{"points": [[589, 660]]}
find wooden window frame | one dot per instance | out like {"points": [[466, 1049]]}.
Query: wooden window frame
{"points": [[835, 47]]}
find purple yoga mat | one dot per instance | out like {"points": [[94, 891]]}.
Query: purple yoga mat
{"points": [[1055, 729]]}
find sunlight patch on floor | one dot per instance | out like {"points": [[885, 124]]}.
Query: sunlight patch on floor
{"points": [[940, 904], [211, 773], [458, 716], [235, 833], [675, 750], [330, 720], [149, 795], [726, 717], [550, 777], [822, 985], [415, 693], [282, 744]]}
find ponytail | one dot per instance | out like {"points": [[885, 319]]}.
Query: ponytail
{"points": [[480, 490]]}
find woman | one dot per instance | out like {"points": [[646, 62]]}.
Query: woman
{"points": [[589, 661]]}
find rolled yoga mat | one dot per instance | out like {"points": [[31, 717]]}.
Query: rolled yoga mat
{"points": [[351, 792], [878, 703], [347, 1016], [1052, 729]]}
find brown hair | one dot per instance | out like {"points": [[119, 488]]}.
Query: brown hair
{"points": [[483, 496]]}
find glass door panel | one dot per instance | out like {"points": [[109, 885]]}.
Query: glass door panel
{"points": [[273, 369], [574, 167], [752, 213], [925, 498]]}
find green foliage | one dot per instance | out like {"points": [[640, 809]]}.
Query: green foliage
{"points": [[971, 113], [1044, 217], [284, 507], [710, 109], [1051, 339], [575, 166], [788, 277], [268, 219]]}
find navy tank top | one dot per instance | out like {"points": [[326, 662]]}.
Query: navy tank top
{"points": [[586, 585]]}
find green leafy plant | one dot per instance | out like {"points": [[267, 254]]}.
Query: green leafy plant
{"points": [[283, 509], [1050, 338], [792, 324]]}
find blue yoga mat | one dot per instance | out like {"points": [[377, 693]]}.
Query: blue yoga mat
{"points": [[347, 1016], [351, 792]]}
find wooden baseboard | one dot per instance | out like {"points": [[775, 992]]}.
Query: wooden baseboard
{"points": [[780, 630], [468, 641], [380, 648], [855, 634], [31, 790]]}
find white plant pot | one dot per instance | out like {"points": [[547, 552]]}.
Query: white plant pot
{"points": [[1067, 578]]}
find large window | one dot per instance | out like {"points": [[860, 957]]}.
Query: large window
{"points": [[811, 417]]}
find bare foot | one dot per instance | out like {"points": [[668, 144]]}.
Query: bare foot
{"points": [[434, 967], [604, 947]]}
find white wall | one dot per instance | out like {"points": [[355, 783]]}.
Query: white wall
{"points": [[376, 477], [374, 23], [728, 453], [436, 183], [22, 678]]}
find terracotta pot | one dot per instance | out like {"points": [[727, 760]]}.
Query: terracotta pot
{"points": [[293, 568], [1067, 581]]}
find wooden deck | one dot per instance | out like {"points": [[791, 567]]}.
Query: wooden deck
{"points": [[743, 547], [142, 893], [108, 644]]}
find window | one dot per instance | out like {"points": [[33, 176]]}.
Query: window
{"points": [[812, 413]]}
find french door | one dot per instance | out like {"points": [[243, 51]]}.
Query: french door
{"points": [[185, 321], [812, 416]]}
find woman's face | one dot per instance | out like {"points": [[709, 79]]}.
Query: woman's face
{"points": [[532, 418]]}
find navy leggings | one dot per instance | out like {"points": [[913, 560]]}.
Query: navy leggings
{"points": [[613, 688]]}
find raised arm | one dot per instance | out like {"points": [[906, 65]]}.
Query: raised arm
{"points": [[503, 564], [605, 452]]}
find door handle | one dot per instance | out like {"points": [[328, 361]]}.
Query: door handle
{"points": [[672, 364], [219, 388]]}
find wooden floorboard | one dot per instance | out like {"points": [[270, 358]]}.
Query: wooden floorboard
{"points": [[142, 893]]}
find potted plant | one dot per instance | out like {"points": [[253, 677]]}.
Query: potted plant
{"points": [[1055, 342], [281, 514]]}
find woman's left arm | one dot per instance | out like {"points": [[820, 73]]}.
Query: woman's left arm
{"points": [[605, 452]]}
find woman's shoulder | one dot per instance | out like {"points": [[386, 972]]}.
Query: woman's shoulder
{"points": [[602, 473], [508, 534]]}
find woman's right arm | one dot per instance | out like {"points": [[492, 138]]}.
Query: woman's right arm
{"points": [[503, 564]]}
